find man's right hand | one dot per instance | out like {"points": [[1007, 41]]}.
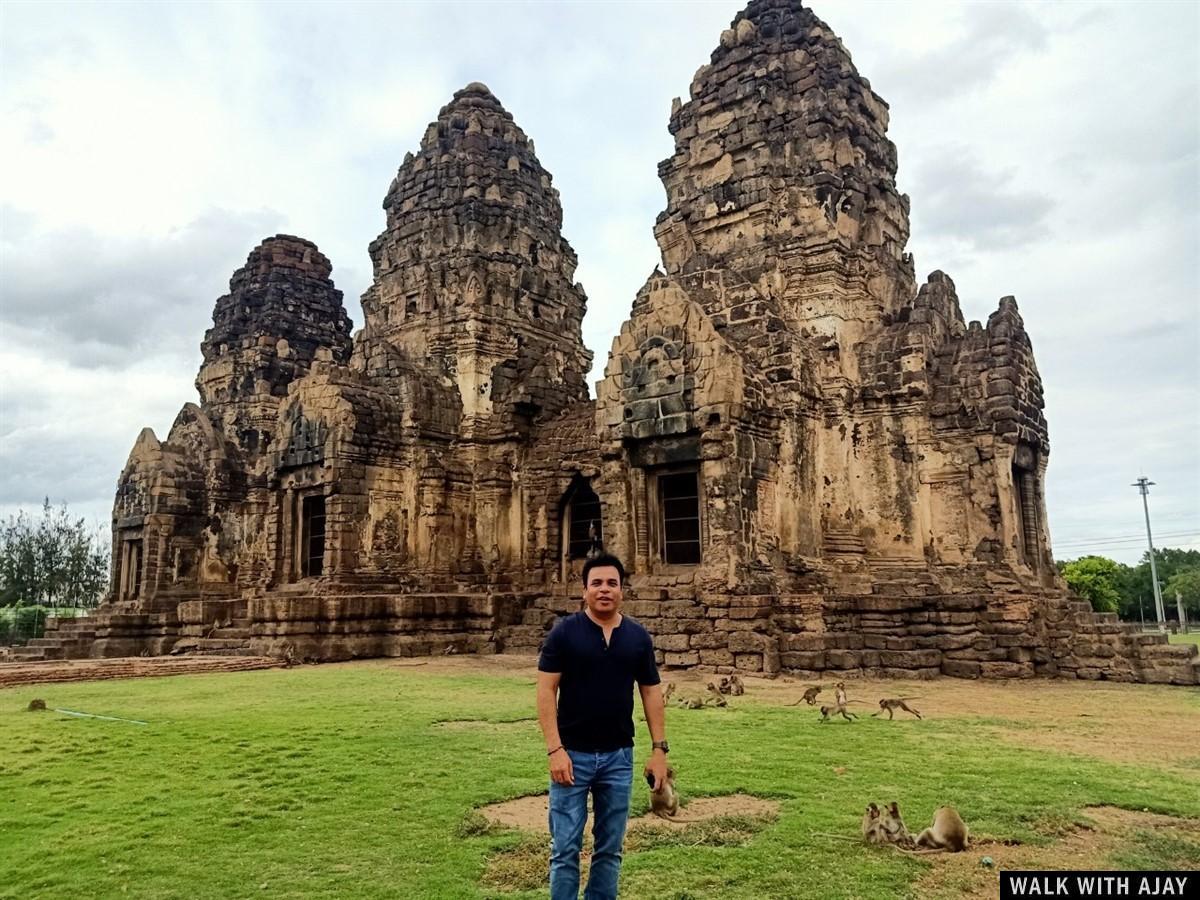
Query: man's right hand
{"points": [[561, 770]]}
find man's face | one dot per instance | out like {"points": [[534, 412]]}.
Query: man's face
{"points": [[602, 592]]}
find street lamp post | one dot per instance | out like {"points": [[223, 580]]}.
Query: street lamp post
{"points": [[1143, 485]]}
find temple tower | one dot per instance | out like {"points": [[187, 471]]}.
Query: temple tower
{"points": [[783, 182], [472, 273], [282, 312]]}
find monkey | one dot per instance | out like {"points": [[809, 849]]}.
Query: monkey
{"points": [[668, 691], [810, 695], [827, 711], [36, 704], [948, 831], [664, 802], [723, 685], [893, 826], [872, 826], [716, 697], [736, 687], [894, 703], [450, 650], [839, 693], [691, 703], [217, 625]]}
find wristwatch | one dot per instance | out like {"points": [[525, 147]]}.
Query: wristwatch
{"points": [[661, 745]]}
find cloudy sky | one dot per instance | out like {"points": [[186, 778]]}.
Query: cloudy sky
{"points": [[1051, 151]]}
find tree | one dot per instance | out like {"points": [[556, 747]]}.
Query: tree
{"points": [[1097, 579], [1187, 583], [1138, 583], [54, 561]]}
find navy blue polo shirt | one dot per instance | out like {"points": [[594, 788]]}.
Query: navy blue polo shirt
{"points": [[595, 694]]}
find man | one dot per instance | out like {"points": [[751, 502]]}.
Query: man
{"points": [[591, 660]]}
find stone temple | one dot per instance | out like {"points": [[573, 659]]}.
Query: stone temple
{"points": [[808, 459]]}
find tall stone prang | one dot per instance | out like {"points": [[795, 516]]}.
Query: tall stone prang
{"points": [[473, 273], [809, 462], [783, 180], [281, 311]]}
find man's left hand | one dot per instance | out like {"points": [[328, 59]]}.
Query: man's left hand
{"points": [[656, 765]]}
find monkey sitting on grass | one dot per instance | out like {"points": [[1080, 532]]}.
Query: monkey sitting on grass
{"points": [[894, 827], [948, 832], [872, 826], [664, 802]]}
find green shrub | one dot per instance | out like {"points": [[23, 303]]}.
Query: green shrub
{"points": [[29, 622]]}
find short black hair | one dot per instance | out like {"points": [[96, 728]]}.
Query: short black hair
{"points": [[604, 559]]}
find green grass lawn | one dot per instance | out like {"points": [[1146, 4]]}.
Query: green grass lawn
{"points": [[338, 781], [1192, 637]]}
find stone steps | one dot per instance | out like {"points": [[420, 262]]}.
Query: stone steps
{"points": [[1094, 645]]}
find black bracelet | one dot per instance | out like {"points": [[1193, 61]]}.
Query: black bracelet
{"points": [[555, 750]]}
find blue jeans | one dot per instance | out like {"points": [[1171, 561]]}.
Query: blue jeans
{"points": [[609, 776]]}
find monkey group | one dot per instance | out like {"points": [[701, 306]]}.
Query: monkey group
{"points": [[947, 833], [732, 685], [683, 702], [715, 693], [838, 707]]}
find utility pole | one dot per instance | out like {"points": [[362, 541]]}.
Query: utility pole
{"points": [[1143, 485]]}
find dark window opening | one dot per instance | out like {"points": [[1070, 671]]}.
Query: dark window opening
{"points": [[312, 542], [679, 502], [1025, 485], [586, 532], [133, 569]]}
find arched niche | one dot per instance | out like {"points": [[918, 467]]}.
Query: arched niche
{"points": [[581, 525]]}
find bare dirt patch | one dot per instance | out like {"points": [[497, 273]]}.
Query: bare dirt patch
{"points": [[1126, 723], [532, 813], [56, 671], [713, 821], [493, 664], [487, 724], [708, 808], [1086, 847]]}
